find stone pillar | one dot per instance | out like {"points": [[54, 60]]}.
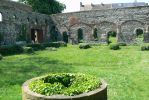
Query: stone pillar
{"points": [[119, 37], [146, 34]]}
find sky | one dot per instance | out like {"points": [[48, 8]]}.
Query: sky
{"points": [[74, 5]]}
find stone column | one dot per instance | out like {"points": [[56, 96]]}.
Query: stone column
{"points": [[119, 38], [146, 34]]}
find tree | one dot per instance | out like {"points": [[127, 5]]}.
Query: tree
{"points": [[45, 6]]}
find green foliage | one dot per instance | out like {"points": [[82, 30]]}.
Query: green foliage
{"points": [[54, 34], [28, 50], [114, 47], [42, 46], [112, 34], [139, 32], [122, 44], [55, 44], [36, 47], [45, 6], [22, 36], [64, 84], [10, 50], [1, 57], [126, 71], [1, 38], [145, 48], [84, 46]]}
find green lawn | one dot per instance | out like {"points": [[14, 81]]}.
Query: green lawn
{"points": [[125, 70]]}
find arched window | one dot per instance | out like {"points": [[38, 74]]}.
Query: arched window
{"points": [[65, 37], [95, 34], [28, 19], [139, 32], [1, 17], [112, 37], [80, 35]]}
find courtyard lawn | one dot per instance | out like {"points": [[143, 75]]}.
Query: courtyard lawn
{"points": [[125, 70]]}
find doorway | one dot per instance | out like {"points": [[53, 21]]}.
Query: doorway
{"points": [[36, 35]]}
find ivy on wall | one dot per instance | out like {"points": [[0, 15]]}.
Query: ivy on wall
{"points": [[22, 34], [1, 38]]}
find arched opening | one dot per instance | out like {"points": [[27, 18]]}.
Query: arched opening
{"points": [[112, 37], [54, 34], [95, 34], [80, 35], [28, 19], [65, 37], [1, 17], [139, 34]]}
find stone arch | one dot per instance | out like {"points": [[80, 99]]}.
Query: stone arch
{"points": [[104, 27], [128, 30], [87, 31], [54, 33], [1, 17]]}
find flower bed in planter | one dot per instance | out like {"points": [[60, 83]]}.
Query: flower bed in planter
{"points": [[65, 86]]}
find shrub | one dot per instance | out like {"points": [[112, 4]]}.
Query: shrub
{"points": [[36, 47], [64, 84], [1, 57], [84, 46], [122, 44], [112, 34], [114, 47], [10, 50], [145, 48], [55, 44], [28, 50]]}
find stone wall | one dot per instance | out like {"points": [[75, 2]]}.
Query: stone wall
{"points": [[124, 21], [16, 16]]}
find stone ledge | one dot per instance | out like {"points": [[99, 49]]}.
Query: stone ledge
{"points": [[98, 94]]}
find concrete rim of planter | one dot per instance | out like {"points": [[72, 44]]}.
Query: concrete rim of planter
{"points": [[26, 90]]}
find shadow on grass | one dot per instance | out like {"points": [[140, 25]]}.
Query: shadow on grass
{"points": [[17, 72]]}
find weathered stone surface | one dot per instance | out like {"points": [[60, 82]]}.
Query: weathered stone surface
{"points": [[15, 15], [124, 21]]}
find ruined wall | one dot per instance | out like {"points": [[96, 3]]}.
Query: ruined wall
{"points": [[124, 21], [17, 18]]}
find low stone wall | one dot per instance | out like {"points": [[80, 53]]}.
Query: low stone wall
{"points": [[98, 94]]}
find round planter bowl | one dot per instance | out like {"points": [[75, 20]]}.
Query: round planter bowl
{"points": [[98, 94]]}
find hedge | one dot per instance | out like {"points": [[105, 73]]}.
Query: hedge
{"points": [[145, 48], [1, 57], [84, 46], [122, 44], [114, 47], [10, 50], [64, 84], [28, 50]]}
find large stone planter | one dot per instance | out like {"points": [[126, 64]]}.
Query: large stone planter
{"points": [[98, 94]]}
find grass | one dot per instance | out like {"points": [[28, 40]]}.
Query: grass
{"points": [[125, 70]]}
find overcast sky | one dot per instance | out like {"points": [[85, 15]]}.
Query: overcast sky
{"points": [[74, 5]]}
